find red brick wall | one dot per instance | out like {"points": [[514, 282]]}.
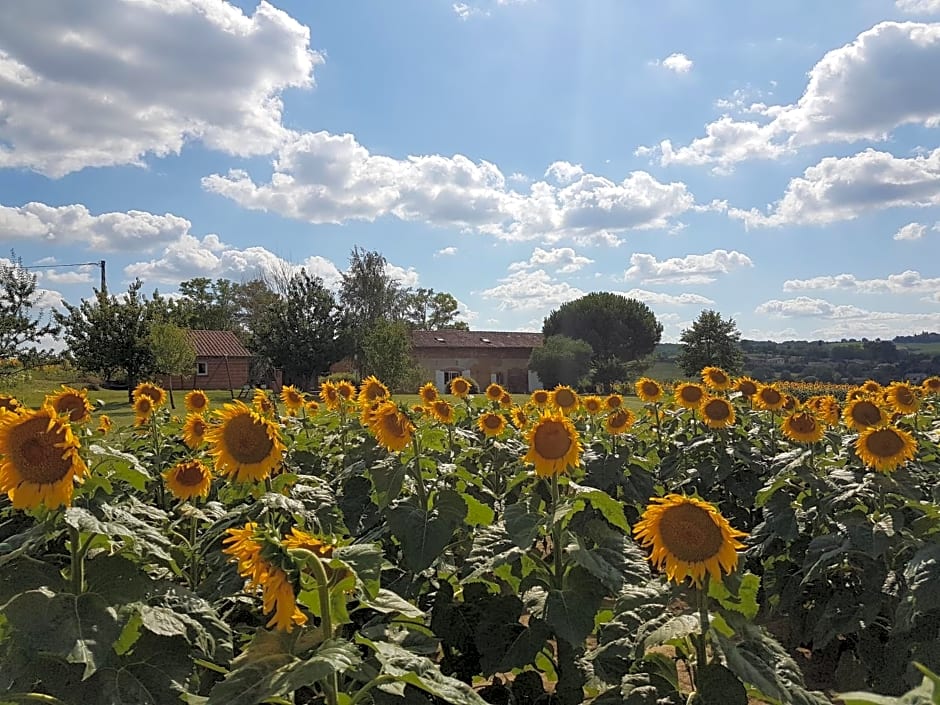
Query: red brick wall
{"points": [[217, 377]]}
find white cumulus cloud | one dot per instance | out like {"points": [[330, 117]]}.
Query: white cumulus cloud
{"points": [[918, 7], [911, 231], [691, 269], [907, 282], [564, 260], [530, 290], [678, 63]]}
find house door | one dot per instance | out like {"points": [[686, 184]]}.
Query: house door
{"points": [[518, 381]]}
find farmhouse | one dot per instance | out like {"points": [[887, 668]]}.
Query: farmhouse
{"points": [[484, 356], [222, 362]]}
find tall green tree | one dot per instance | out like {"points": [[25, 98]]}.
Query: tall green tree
{"points": [[108, 334], [204, 304], [710, 341], [22, 325], [387, 354], [561, 360], [433, 310], [173, 352], [302, 332], [614, 325]]}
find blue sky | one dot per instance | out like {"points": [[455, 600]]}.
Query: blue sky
{"points": [[777, 162]]}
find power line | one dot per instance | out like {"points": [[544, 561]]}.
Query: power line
{"points": [[100, 264]]}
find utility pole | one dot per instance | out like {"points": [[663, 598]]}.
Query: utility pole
{"points": [[104, 281]]}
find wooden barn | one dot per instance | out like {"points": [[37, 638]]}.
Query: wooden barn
{"points": [[222, 362]]}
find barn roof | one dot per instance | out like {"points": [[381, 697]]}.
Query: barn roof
{"points": [[429, 339], [217, 343]]}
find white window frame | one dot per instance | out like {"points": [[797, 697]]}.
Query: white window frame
{"points": [[202, 368]]}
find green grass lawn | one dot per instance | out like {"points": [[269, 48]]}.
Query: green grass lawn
{"points": [[114, 403]]}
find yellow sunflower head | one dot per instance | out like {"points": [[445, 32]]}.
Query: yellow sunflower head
{"points": [[716, 378], [689, 395], [863, 413], [769, 398], [428, 393], [312, 407], [826, 407], [39, 459], [188, 479], [391, 428], [717, 412], [619, 421], [194, 430], [871, 387], [592, 404], [613, 401], [301, 539], [246, 446], [747, 387], [931, 385], [372, 390], [72, 403], [520, 418], [292, 397], [491, 424], [885, 448], [277, 597], [554, 445], [442, 411], [540, 398], [689, 538], [104, 424], [903, 398], [262, 402], [505, 400], [346, 389], [565, 399], [460, 387], [494, 392], [802, 426], [329, 395], [790, 402], [649, 390], [155, 392], [143, 409], [8, 403], [196, 401]]}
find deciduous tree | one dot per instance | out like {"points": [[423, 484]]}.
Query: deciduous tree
{"points": [[561, 360], [173, 352], [710, 340], [22, 327]]}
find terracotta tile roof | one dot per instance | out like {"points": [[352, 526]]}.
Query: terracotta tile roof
{"points": [[429, 339], [217, 343]]}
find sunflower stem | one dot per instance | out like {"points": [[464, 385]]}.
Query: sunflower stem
{"points": [[78, 562], [33, 698], [326, 621], [557, 550], [701, 651], [418, 475], [364, 690], [193, 554]]}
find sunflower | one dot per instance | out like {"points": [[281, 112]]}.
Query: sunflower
{"points": [[520, 418], [554, 445], [494, 392], [540, 398], [442, 411], [8, 403], [346, 389], [392, 429], [196, 401], [301, 539], [802, 426], [789, 402], [372, 390], [649, 390], [143, 409], [885, 448], [246, 445], [689, 538], [855, 393], [73, 402], [592, 404], [689, 395], [826, 408], [428, 393], [194, 430], [39, 459], [769, 398], [293, 399], [871, 387], [902, 397], [565, 399], [311, 407], [716, 378], [244, 547], [460, 387], [104, 424], [188, 479], [491, 424], [717, 412], [619, 421], [329, 395], [613, 401], [747, 387], [863, 413], [505, 400], [931, 385], [263, 403], [155, 392]]}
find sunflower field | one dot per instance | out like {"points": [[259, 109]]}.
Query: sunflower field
{"points": [[726, 542]]}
